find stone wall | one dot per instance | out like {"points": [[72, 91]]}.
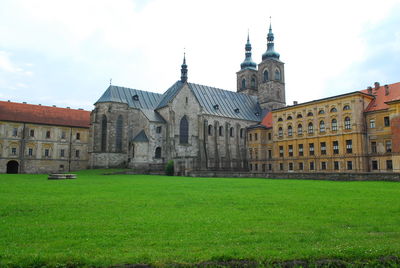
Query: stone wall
{"points": [[39, 148], [302, 176]]}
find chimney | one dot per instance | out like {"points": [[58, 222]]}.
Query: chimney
{"points": [[386, 90], [24, 102], [369, 90], [376, 84], [295, 102], [54, 106]]}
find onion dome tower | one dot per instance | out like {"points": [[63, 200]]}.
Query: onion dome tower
{"points": [[271, 77], [247, 76]]}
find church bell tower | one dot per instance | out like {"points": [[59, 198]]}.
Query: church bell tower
{"points": [[271, 77], [247, 76]]}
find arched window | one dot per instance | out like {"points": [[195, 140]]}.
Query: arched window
{"points": [[277, 75], [347, 123], [118, 134], [334, 125], [280, 132], [280, 119], [220, 130], [289, 118], [104, 133], [346, 107], [310, 128], [266, 76], [299, 129], [321, 112], [184, 130], [321, 126], [243, 83], [290, 131], [210, 127], [299, 116], [241, 132], [310, 114], [253, 83], [133, 150], [333, 110], [158, 152], [231, 132]]}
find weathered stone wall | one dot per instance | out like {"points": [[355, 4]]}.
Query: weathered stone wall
{"points": [[43, 148], [302, 176]]}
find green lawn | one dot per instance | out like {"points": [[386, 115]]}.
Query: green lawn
{"points": [[101, 220]]}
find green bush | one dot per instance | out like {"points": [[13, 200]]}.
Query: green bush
{"points": [[169, 168]]}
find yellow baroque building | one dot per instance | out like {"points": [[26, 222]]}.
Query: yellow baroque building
{"points": [[353, 132]]}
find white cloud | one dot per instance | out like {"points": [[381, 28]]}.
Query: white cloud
{"points": [[142, 48]]}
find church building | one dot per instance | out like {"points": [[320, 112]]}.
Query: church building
{"points": [[199, 127]]}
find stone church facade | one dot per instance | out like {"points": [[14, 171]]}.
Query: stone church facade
{"points": [[199, 127]]}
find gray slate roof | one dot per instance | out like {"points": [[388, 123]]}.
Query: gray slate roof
{"points": [[230, 104], [141, 137], [146, 101], [170, 94]]}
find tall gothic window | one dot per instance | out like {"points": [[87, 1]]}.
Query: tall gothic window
{"points": [[184, 130], [253, 83], [243, 83], [277, 75], [158, 152], [118, 134], [265, 76], [104, 133]]}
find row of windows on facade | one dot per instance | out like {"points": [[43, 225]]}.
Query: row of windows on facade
{"points": [[310, 128], [47, 134], [386, 122], [256, 136], [221, 131], [253, 83], [323, 149], [323, 166], [46, 152], [333, 110]]}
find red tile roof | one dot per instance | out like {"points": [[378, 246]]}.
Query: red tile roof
{"points": [[29, 113], [267, 120], [379, 103]]}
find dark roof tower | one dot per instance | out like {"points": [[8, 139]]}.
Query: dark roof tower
{"points": [[184, 70], [248, 62], [270, 53]]}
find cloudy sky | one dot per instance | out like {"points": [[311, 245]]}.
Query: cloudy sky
{"points": [[63, 53]]}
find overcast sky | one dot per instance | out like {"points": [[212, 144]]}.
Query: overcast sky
{"points": [[65, 52]]}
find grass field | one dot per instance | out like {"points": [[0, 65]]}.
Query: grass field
{"points": [[102, 220]]}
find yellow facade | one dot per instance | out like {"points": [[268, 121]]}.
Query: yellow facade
{"points": [[330, 135]]}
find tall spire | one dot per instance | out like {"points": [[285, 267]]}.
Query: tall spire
{"points": [[248, 63], [184, 69], [270, 53]]}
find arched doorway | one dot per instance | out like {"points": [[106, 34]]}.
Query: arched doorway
{"points": [[12, 167]]}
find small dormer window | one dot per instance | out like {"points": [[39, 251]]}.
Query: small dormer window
{"points": [[257, 113], [216, 107], [237, 110], [135, 97]]}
